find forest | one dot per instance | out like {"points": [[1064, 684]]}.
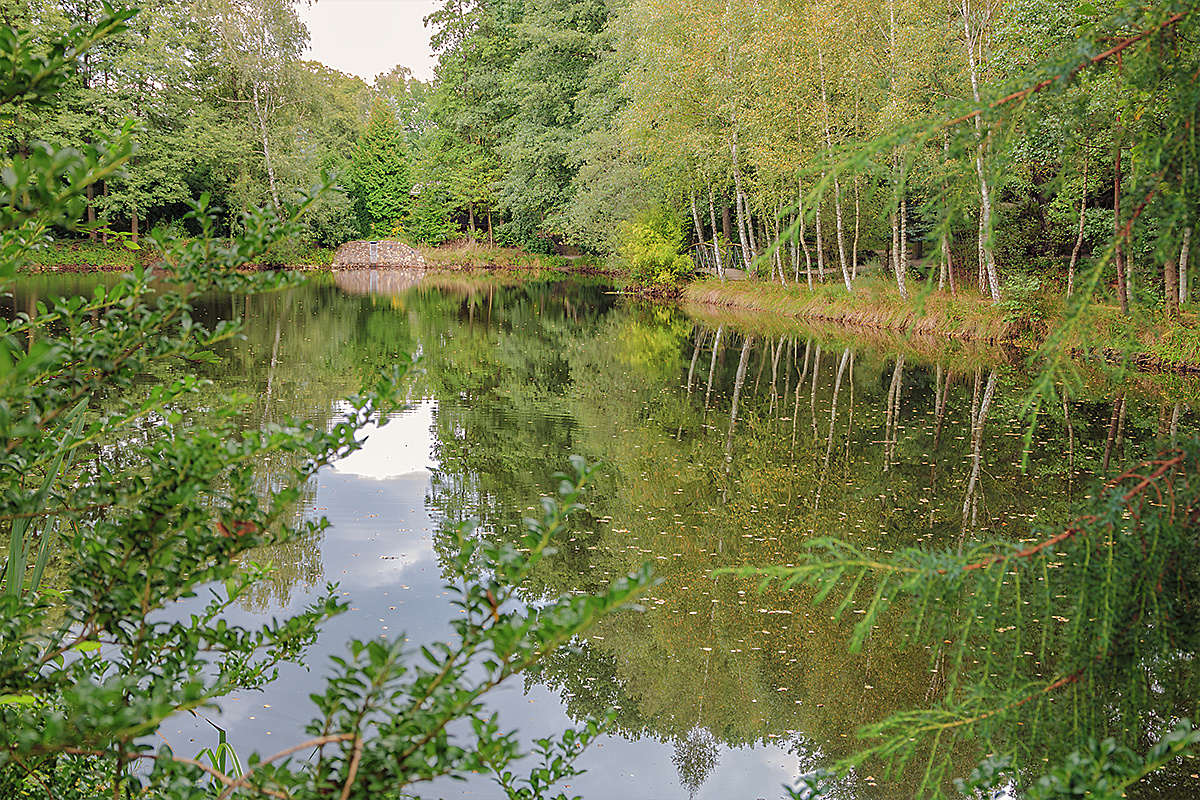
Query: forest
{"points": [[982, 144]]}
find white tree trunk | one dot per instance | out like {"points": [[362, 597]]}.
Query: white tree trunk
{"points": [[1184, 251], [985, 190], [712, 213], [1078, 235], [803, 233], [260, 114], [837, 187], [820, 244]]}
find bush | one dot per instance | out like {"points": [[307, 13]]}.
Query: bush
{"points": [[651, 245], [511, 234]]}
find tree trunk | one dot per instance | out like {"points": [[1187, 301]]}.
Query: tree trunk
{"points": [[820, 243], [712, 213], [779, 247], [260, 113], [803, 233], [837, 187], [898, 265], [1184, 251], [1119, 253], [1079, 234], [133, 225], [985, 190], [1170, 289], [742, 210], [696, 221], [104, 194], [904, 241]]}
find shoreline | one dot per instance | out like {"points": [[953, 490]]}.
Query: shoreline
{"points": [[1145, 342]]}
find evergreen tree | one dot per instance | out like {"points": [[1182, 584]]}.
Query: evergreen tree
{"points": [[382, 185]]}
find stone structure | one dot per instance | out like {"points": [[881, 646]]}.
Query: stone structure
{"points": [[364, 254], [388, 282]]}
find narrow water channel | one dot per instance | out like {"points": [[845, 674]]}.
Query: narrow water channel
{"points": [[725, 443]]}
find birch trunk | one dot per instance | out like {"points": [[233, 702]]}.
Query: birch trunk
{"points": [[820, 244], [985, 190], [898, 266], [1184, 250], [1078, 235], [837, 187], [803, 233], [712, 213], [260, 115], [696, 222]]}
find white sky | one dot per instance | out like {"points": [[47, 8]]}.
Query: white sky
{"points": [[369, 37]]}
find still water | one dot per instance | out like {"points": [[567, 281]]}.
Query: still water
{"points": [[726, 442]]}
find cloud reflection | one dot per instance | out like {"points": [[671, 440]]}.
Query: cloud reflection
{"points": [[401, 447]]}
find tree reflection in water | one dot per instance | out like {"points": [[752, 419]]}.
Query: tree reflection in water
{"points": [[900, 446]]}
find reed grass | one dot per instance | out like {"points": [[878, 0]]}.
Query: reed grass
{"points": [[874, 304]]}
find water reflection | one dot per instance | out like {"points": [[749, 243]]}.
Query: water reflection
{"points": [[725, 445]]}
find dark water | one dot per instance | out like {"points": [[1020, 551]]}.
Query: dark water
{"points": [[725, 442]]}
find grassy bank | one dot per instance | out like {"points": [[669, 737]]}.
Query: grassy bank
{"points": [[468, 254], [86, 256], [1023, 319]]}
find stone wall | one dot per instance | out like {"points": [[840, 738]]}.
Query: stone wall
{"points": [[354, 255]]}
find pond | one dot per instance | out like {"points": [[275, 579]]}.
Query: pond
{"points": [[725, 442]]}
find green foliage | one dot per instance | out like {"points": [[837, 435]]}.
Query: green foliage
{"points": [[1066, 639], [513, 234], [429, 221], [83, 253], [379, 172], [651, 245], [152, 504], [332, 221], [1026, 304]]}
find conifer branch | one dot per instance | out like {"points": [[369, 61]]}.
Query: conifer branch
{"points": [[1046, 83]]}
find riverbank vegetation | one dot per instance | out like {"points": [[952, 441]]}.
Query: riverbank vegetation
{"points": [[984, 148]]}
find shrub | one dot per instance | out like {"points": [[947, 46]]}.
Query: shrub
{"points": [[651, 245]]}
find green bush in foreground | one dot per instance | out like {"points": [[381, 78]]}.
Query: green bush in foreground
{"points": [[144, 506]]}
